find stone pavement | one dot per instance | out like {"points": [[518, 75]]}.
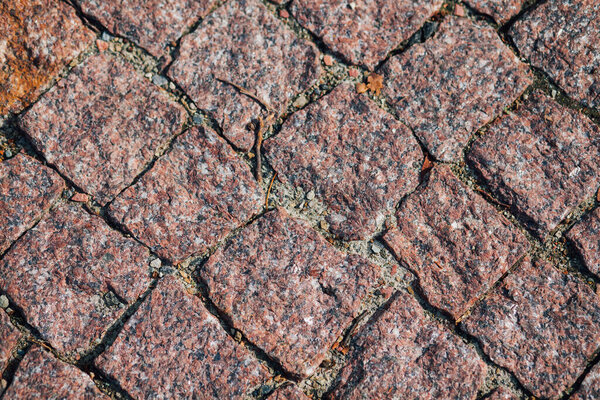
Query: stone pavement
{"points": [[300, 199]]}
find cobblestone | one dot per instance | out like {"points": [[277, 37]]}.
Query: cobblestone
{"points": [[464, 71], [358, 159], [86, 143], [65, 272], [287, 289], [8, 340], [244, 44], [457, 244], [27, 190], [541, 324], [586, 236], [193, 197], [173, 348], [500, 10], [540, 160]]}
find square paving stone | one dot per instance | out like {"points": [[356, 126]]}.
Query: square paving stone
{"points": [[244, 44], [41, 376], [364, 32], [456, 242], [542, 160], [562, 37], [27, 190], [38, 38], [450, 86], [590, 387], [71, 275], [290, 392], [152, 24], [102, 124], [288, 290], [586, 236], [357, 158], [9, 335], [403, 354], [500, 10], [541, 324], [172, 347], [192, 198]]}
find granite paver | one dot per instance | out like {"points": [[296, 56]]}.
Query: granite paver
{"points": [[590, 387], [174, 348], [500, 10], [152, 24], [287, 289], [456, 242], [71, 275], [541, 324], [404, 354], [41, 376], [586, 237], [9, 335], [243, 43], [27, 190], [192, 198], [364, 32], [450, 86], [541, 160], [289, 392], [357, 158], [562, 37], [38, 39], [102, 124]]}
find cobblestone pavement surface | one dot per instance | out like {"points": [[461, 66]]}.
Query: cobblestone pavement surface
{"points": [[300, 199]]}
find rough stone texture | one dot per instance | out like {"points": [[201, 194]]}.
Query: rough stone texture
{"points": [[448, 87], [586, 236], [102, 124], [500, 10], [41, 376], [502, 393], [37, 39], [192, 198], [366, 32], [243, 43], [287, 289], [8, 340], [27, 190], [590, 387], [456, 243], [402, 354], [562, 37], [541, 160], [542, 324], [359, 160], [173, 348], [70, 273], [152, 24], [290, 392]]}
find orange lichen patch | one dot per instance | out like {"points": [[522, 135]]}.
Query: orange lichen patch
{"points": [[37, 39]]}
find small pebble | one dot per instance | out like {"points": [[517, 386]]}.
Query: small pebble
{"points": [[352, 5], [328, 60], [312, 204], [310, 195], [197, 119], [80, 197], [102, 45], [324, 225], [301, 101], [8, 153], [105, 36], [353, 72], [159, 80], [553, 93], [283, 13], [3, 301], [376, 248], [459, 11], [156, 263]]}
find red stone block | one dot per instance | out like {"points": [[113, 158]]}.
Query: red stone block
{"points": [[9, 335], [500, 10], [586, 236]]}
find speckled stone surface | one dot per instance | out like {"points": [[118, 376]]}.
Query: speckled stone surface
{"points": [[357, 158], [541, 324], [500, 10], [192, 198], [174, 348], [41, 376], [541, 160], [502, 393], [102, 124], [448, 87], [70, 274], [27, 190], [456, 242], [38, 38], [152, 24], [289, 392], [586, 237], [287, 289], [562, 37], [367, 31], [8, 340], [590, 387], [403, 354], [243, 43]]}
